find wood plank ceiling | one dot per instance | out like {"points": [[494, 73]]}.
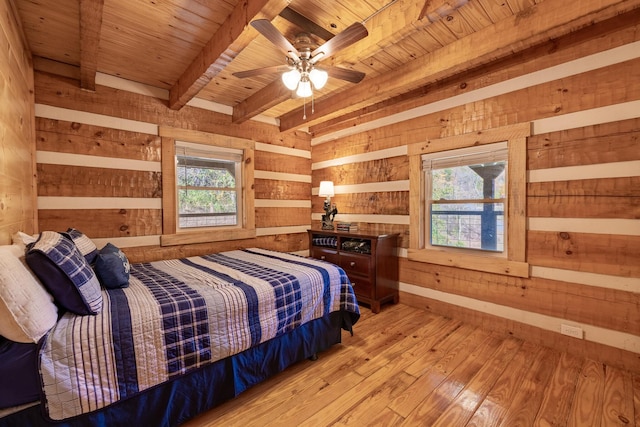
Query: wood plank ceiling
{"points": [[192, 47]]}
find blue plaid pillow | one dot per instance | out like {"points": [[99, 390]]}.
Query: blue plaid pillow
{"points": [[67, 275], [84, 244]]}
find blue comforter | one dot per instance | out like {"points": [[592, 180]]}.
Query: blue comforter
{"points": [[178, 315]]}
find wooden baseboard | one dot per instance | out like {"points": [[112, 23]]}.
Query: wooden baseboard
{"points": [[608, 355]]}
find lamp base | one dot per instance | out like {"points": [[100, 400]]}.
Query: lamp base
{"points": [[327, 225], [330, 212]]}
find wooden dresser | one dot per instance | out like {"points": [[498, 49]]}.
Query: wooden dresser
{"points": [[370, 260]]}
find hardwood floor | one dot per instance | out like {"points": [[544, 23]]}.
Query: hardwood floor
{"points": [[405, 366]]}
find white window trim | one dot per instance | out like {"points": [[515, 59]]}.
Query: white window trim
{"points": [[170, 235], [213, 153], [455, 158], [514, 264]]}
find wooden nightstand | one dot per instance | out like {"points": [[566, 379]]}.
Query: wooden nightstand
{"points": [[369, 259]]}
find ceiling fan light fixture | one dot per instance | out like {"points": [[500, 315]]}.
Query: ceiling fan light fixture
{"points": [[291, 78], [318, 78], [304, 88]]}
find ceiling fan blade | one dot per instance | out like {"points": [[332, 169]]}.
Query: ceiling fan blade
{"points": [[343, 74], [349, 36], [267, 29], [265, 70]]}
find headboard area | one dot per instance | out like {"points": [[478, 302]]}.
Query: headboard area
{"points": [[17, 141]]}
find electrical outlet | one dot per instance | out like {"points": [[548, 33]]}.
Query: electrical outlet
{"points": [[572, 331]]}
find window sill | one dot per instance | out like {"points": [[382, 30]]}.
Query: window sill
{"points": [[201, 236], [489, 264]]}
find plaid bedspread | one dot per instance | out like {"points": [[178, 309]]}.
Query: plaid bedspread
{"points": [[178, 315]]}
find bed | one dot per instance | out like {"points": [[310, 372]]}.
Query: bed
{"points": [[176, 338]]}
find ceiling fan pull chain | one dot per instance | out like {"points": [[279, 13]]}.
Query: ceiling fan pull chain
{"points": [[304, 106]]}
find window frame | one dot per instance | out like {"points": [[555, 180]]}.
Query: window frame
{"points": [[458, 158], [213, 154], [514, 263], [171, 235]]}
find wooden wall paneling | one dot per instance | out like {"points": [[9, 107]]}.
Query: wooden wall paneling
{"points": [[12, 204], [17, 143], [616, 255], [605, 143], [271, 189], [79, 181], [276, 162], [374, 203], [374, 140], [65, 93], [585, 198], [80, 138], [382, 170], [282, 217], [103, 223], [15, 45], [606, 354], [605, 308]]}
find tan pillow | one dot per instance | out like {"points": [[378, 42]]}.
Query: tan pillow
{"points": [[27, 311]]}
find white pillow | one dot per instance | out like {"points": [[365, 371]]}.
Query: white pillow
{"points": [[23, 239], [27, 311]]}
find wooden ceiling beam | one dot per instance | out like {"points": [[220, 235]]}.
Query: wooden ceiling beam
{"points": [[267, 97], [510, 35], [90, 27], [231, 38]]}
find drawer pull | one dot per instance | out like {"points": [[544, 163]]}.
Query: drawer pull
{"points": [[353, 284], [322, 257], [352, 264]]}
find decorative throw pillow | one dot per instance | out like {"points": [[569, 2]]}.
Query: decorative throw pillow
{"points": [[112, 267], [27, 311], [65, 273], [84, 244]]}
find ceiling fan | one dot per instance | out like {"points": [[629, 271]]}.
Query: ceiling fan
{"points": [[300, 71]]}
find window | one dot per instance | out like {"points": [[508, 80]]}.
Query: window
{"points": [[468, 201], [207, 183], [466, 197]]}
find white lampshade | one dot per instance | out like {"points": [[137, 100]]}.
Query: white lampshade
{"points": [[304, 89], [318, 78], [326, 189], [291, 79]]}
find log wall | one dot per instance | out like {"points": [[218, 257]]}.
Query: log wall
{"points": [[581, 94], [99, 167], [17, 175]]}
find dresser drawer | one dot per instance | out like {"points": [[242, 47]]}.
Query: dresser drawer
{"points": [[355, 263], [361, 287], [325, 255]]}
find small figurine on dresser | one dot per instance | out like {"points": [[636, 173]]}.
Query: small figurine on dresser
{"points": [[330, 212]]}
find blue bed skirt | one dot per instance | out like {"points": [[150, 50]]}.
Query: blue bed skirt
{"points": [[176, 401]]}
